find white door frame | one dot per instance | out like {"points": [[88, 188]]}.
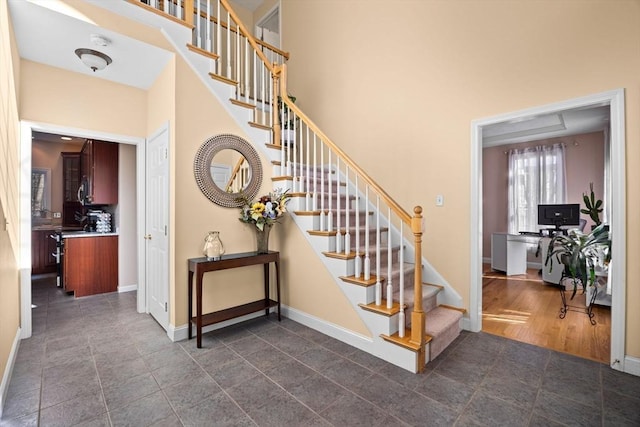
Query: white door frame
{"points": [[24, 264], [615, 99]]}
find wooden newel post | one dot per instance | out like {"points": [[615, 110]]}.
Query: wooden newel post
{"points": [[275, 111], [417, 315], [188, 11]]}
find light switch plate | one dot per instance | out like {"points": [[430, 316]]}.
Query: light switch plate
{"points": [[57, 215], [439, 200]]}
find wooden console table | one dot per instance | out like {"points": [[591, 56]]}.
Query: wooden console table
{"points": [[199, 266]]}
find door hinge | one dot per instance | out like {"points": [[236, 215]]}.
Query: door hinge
{"points": [[165, 307], [165, 230], [166, 153]]}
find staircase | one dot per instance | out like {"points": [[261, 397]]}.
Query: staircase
{"points": [[369, 243]]}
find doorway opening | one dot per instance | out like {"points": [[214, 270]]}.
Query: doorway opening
{"points": [[135, 165], [614, 100]]}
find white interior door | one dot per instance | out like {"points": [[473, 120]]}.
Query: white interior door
{"points": [[221, 175], [157, 227]]}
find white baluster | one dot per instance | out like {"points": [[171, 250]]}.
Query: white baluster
{"points": [[228, 47], [330, 197], [247, 82], [315, 174], [378, 283], [208, 27], [255, 78], [322, 211], [347, 208], [198, 28], [218, 41], [367, 259], [401, 319], [358, 261], [283, 154], [308, 187], [239, 82], [339, 236], [389, 263]]}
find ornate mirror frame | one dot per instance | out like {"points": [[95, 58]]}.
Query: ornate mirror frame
{"points": [[202, 169]]}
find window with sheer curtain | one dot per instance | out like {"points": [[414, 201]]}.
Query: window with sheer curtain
{"points": [[536, 176]]}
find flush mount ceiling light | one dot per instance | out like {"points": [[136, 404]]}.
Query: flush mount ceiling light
{"points": [[93, 59]]}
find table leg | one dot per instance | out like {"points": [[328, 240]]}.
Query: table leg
{"points": [[199, 309], [189, 311], [265, 268], [278, 286]]}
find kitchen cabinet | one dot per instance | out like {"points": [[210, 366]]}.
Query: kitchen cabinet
{"points": [[90, 264], [42, 249], [71, 206], [99, 173]]}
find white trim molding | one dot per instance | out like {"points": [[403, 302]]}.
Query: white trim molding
{"points": [[6, 378], [631, 365], [615, 100]]}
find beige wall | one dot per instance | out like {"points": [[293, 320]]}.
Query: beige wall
{"points": [[414, 77], [9, 195], [584, 162], [52, 95]]}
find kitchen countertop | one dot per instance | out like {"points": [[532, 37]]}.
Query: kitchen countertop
{"points": [[74, 234]]}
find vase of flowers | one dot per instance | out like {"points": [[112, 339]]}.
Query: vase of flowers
{"points": [[263, 214]]}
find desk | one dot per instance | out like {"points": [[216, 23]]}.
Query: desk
{"points": [[509, 252], [199, 266]]}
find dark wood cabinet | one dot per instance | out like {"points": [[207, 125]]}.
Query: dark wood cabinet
{"points": [[42, 249], [71, 206], [90, 265], [99, 173]]}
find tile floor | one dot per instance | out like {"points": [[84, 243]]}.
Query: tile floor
{"points": [[94, 361]]}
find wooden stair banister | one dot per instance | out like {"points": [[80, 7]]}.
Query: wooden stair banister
{"points": [[327, 181], [417, 331]]}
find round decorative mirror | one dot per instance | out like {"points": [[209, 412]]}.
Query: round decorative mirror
{"points": [[227, 167]]}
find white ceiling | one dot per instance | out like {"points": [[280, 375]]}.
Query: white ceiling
{"points": [[252, 5], [51, 36], [561, 124]]}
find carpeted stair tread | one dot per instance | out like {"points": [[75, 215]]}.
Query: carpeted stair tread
{"points": [[441, 318]]}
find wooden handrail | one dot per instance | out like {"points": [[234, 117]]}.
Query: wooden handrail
{"points": [[233, 29], [234, 173], [402, 214], [247, 34], [188, 21]]}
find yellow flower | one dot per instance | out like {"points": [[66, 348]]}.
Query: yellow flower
{"points": [[257, 208]]}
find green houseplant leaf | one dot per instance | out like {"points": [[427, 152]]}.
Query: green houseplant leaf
{"points": [[580, 254], [593, 207]]}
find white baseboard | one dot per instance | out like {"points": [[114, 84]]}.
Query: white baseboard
{"points": [[182, 332], [632, 365], [6, 377], [360, 341], [128, 288], [338, 332]]}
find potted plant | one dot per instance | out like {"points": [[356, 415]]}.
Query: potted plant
{"points": [[593, 207], [580, 254]]}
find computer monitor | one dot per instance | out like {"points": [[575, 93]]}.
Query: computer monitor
{"points": [[559, 215]]}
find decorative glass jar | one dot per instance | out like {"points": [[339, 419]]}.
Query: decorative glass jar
{"points": [[213, 247]]}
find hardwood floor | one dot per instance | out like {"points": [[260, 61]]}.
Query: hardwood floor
{"points": [[525, 309]]}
